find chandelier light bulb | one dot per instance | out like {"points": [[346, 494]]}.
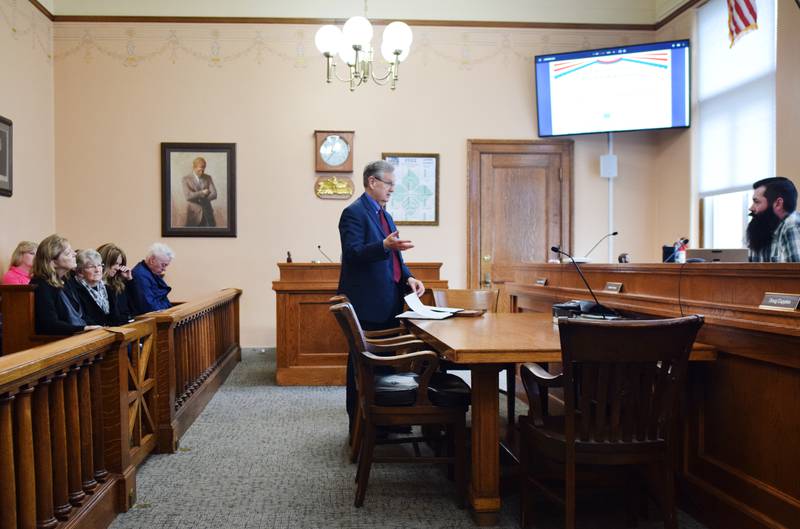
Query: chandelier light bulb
{"points": [[387, 52], [346, 52], [328, 39], [358, 31], [398, 36]]}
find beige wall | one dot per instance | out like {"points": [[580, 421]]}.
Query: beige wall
{"points": [[787, 80], [124, 89], [26, 98]]}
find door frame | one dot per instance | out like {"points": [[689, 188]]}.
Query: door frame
{"points": [[475, 148]]}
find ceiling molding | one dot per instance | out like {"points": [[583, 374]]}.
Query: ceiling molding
{"points": [[320, 21]]}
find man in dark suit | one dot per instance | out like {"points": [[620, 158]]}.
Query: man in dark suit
{"points": [[373, 275]]}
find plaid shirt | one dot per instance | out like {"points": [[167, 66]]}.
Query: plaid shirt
{"points": [[785, 246]]}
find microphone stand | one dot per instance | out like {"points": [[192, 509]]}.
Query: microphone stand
{"points": [[319, 247], [602, 309], [612, 234]]}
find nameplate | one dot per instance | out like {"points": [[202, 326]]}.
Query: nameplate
{"points": [[611, 286], [542, 281], [778, 301]]}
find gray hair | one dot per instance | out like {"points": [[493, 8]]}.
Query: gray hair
{"points": [[377, 169], [88, 257], [159, 249]]}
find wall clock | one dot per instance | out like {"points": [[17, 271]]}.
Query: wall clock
{"points": [[333, 151]]}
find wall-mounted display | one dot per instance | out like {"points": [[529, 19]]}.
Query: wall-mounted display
{"points": [[6, 165], [333, 151], [198, 189], [335, 187], [415, 200]]}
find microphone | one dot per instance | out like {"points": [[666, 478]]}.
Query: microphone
{"points": [[319, 247], [598, 307], [606, 236]]}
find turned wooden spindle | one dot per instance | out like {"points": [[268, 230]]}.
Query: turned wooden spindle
{"points": [[72, 409], [8, 488], [58, 436], [42, 452], [85, 409], [23, 458], [100, 471]]}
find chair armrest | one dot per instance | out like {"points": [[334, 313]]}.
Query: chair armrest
{"points": [[543, 378], [537, 381], [407, 346], [429, 358], [392, 340], [385, 333]]}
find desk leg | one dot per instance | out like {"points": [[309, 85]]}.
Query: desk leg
{"points": [[484, 491]]}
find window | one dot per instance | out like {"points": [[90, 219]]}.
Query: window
{"points": [[735, 136]]}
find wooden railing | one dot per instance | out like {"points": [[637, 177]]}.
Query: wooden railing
{"points": [[69, 439], [78, 415], [198, 344]]}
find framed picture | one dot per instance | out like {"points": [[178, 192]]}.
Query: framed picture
{"points": [[198, 190], [6, 152], [415, 200]]}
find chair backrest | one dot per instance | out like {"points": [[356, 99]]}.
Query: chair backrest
{"points": [[622, 378], [346, 317], [467, 299]]}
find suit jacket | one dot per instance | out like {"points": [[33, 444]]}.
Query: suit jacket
{"points": [[199, 206], [366, 273], [56, 310], [148, 292]]}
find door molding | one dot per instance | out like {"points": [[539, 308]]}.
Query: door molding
{"points": [[475, 148]]}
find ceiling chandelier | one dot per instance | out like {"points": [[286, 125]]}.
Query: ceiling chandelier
{"points": [[353, 44]]}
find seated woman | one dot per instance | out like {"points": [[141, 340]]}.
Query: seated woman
{"points": [[92, 293], [116, 276], [19, 273], [57, 308]]}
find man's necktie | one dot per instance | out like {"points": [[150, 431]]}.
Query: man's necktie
{"points": [[395, 257]]}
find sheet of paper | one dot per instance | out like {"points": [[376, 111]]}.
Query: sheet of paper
{"points": [[429, 315], [415, 304]]}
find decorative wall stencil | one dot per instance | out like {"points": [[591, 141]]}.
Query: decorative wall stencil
{"points": [[218, 45], [26, 23], [415, 200], [335, 187]]}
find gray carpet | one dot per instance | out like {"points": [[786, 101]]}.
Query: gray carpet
{"points": [[263, 456]]}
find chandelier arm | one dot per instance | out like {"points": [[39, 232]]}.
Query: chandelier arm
{"points": [[379, 78], [336, 74]]}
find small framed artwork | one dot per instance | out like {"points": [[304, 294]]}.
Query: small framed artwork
{"points": [[415, 200], [198, 190], [6, 161]]}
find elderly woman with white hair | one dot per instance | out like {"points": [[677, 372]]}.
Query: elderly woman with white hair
{"points": [[149, 290], [87, 283]]}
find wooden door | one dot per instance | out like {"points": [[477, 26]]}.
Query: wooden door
{"points": [[519, 206]]}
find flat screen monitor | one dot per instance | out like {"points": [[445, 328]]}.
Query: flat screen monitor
{"points": [[639, 87]]}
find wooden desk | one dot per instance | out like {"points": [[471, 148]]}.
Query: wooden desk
{"points": [[484, 344], [740, 463], [311, 350]]}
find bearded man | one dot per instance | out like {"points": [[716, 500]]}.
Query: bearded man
{"points": [[773, 235]]}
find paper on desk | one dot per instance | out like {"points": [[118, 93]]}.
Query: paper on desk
{"points": [[419, 310]]}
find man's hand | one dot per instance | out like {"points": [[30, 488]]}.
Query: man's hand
{"points": [[393, 242], [417, 286]]}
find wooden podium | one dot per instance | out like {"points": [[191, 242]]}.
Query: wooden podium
{"points": [[311, 348]]}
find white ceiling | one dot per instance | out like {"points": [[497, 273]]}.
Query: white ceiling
{"points": [[563, 11]]}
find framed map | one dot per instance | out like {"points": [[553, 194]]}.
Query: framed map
{"points": [[415, 200]]}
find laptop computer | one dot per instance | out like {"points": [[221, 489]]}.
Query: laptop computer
{"points": [[727, 255]]}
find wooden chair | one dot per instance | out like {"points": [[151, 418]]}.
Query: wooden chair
{"points": [[413, 395], [622, 382], [480, 300], [383, 334]]}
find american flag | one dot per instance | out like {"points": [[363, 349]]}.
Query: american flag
{"points": [[742, 17]]}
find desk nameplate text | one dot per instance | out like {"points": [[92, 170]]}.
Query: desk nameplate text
{"points": [[541, 281], [613, 287], [780, 301]]}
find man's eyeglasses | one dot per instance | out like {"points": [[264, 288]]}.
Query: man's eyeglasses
{"points": [[390, 184]]}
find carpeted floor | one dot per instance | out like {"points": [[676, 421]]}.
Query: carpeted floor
{"points": [[263, 456]]}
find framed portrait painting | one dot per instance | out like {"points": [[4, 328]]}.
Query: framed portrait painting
{"points": [[6, 151], [198, 190], [415, 200]]}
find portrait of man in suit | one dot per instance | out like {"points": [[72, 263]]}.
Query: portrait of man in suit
{"points": [[373, 274], [199, 191]]}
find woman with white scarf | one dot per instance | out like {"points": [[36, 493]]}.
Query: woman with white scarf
{"points": [[91, 289]]}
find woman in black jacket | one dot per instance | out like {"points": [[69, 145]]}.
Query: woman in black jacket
{"points": [[117, 277], [57, 309], [92, 293]]}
